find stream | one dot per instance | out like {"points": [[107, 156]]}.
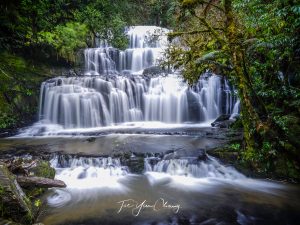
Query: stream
{"points": [[175, 186], [134, 148]]}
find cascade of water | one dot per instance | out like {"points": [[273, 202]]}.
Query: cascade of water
{"points": [[109, 98], [193, 168], [83, 102], [236, 109], [88, 172], [146, 44]]}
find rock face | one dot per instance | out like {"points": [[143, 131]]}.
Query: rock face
{"points": [[14, 204]]}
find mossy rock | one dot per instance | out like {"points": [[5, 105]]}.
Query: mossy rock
{"points": [[42, 169], [14, 204]]}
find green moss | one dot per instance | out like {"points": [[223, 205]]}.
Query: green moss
{"points": [[19, 89], [238, 124], [43, 169], [10, 197], [34, 192]]}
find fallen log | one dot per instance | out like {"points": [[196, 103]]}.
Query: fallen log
{"points": [[42, 182]]}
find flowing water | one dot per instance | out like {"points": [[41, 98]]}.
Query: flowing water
{"points": [[113, 92], [169, 191], [132, 148]]}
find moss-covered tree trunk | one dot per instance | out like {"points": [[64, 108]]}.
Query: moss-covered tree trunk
{"points": [[262, 134], [251, 120]]}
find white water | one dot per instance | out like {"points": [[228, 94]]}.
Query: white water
{"points": [[193, 168], [85, 177], [110, 99], [86, 102], [106, 175], [89, 173], [191, 174], [236, 109], [191, 183], [146, 45]]}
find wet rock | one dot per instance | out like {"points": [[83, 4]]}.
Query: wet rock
{"points": [[223, 117], [8, 132], [197, 154], [15, 204], [135, 164], [91, 139], [194, 108], [153, 160], [222, 121], [153, 70]]}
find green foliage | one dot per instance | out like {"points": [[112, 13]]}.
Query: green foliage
{"points": [[7, 120], [19, 90], [43, 169], [66, 26], [37, 203], [235, 146], [66, 39]]}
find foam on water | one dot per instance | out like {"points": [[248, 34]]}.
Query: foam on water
{"points": [[192, 174], [89, 173]]}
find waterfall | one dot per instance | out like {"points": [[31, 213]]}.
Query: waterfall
{"points": [[191, 167], [88, 172], [84, 102], [113, 91], [236, 109], [146, 44]]}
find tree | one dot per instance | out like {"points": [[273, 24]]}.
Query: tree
{"points": [[220, 36], [66, 39]]}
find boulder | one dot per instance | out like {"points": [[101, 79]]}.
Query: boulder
{"points": [[41, 168], [153, 70], [134, 164], [14, 204], [223, 121], [30, 167]]}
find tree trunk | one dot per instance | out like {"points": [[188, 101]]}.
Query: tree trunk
{"points": [[250, 117], [39, 182]]}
